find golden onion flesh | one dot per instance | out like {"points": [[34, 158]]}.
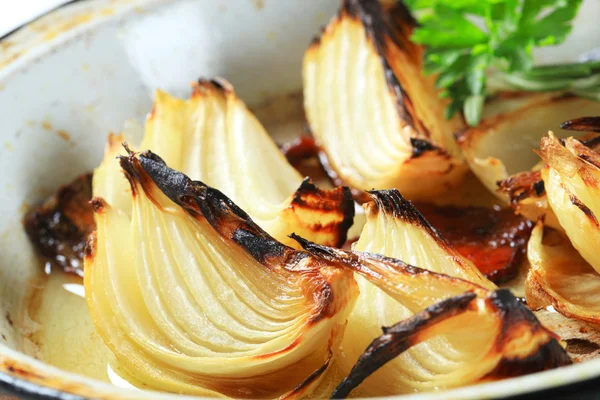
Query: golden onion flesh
{"points": [[193, 297], [213, 137]]}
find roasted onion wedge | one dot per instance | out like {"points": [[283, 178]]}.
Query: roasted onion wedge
{"points": [[572, 182], [213, 137], [379, 121], [502, 145], [193, 297], [437, 346], [560, 277]]}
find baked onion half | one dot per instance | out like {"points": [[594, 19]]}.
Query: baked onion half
{"points": [[213, 137], [193, 297], [378, 120], [435, 344], [503, 144]]}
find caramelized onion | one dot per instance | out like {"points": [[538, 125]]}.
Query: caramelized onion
{"points": [[378, 119], [493, 239], [193, 297], [213, 137]]}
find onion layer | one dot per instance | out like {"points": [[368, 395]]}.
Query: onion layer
{"points": [[214, 138], [193, 297], [502, 145], [572, 182], [379, 121], [560, 277]]}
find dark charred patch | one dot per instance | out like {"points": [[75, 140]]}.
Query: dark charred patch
{"points": [[585, 209], [495, 240], [592, 143], [391, 202], [355, 260], [98, 204], [58, 228], [9, 319], [523, 185], [420, 146], [549, 355], [516, 317], [325, 298], [380, 26], [300, 149], [91, 246], [215, 84], [581, 346], [399, 338], [4, 336], [258, 246], [311, 378], [585, 124]]}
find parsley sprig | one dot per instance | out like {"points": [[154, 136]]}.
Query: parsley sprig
{"points": [[466, 40]]}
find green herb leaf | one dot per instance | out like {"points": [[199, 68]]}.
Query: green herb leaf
{"points": [[464, 38]]}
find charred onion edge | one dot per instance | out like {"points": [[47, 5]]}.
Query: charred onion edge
{"points": [[379, 25], [355, 261], [586, 124], [201, 200], [399, 338], [547, 355]]}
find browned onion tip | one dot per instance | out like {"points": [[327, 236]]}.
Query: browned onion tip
{"points": [[215, 138], [586, 124], [512, 341], [384, 102]]}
